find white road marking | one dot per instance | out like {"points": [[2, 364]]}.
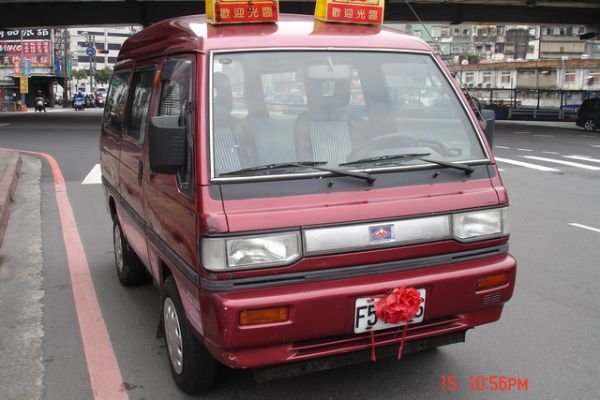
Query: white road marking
{"points": [[94, 176], [587, 136], [550, 152], [543, 135], [569, 163], [524, 149], [501, 169], [4, 124], [527, 165], [594, 145], [583, 158], [502, 147], [589, 228], [521, 132]]}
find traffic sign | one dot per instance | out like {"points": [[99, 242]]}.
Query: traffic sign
{"points": [[26, 67], [90, 51]]}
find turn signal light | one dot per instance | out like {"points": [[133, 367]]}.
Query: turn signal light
{"points": [[264, 316], [492, 281]]}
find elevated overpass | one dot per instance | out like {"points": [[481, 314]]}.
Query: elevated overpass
{"points": [[29, 13]]}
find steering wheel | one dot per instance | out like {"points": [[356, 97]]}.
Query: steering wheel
{"points": [[389, 141]]}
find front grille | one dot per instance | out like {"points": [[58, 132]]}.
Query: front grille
{"points": [[339, 344]]}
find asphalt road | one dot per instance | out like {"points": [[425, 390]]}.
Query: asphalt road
{"points": [[547, 334]]}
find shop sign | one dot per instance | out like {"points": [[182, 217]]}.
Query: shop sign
{"points": [[38, 51]]}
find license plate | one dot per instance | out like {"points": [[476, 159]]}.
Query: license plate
{"points": [[365, 319]]}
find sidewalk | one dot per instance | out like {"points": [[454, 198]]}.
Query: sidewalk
{"points": [[10, 164]]}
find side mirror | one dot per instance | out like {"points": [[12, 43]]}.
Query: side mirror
{"points": [[489, 120], [166, 143]]}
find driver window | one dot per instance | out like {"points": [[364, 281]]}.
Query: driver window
{"points": [[177, 98]]}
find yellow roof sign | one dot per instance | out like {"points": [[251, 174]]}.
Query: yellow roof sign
{"points": [[241, 11], [368, 12]]}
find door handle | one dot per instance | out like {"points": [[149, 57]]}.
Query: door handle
{"points": [[140, 172]]}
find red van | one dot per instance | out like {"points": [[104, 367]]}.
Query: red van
{"points": [[275, 180]]}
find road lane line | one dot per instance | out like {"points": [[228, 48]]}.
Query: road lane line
{"points": [[524, 149], [521, 132], [583, 158], [550, 152], [103, 368], [569, 163], [594, 145], [502, 147], [93, 177], [527, 165], [543, 135], [589, 228]]}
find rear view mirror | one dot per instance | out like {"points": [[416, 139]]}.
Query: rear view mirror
{"points": [[167, 142], [489, 124], [329, 72]]}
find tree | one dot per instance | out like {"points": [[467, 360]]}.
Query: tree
{"points": [[79, 74], [103, 75]]}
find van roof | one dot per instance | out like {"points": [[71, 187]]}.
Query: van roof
{"points": [[194, 34]]}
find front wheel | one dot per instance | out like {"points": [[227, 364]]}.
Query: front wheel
{"points": [[590, 125], [193, 368], [130, 270]]}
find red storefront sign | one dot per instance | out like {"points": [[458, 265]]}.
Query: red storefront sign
{"points": [[38, 51]]}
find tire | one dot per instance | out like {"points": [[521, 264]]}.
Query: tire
{"points": [[590, 125], [192, 366], [130, 270]]}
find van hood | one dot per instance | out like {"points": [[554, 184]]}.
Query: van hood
{"points": [[299, 203]]}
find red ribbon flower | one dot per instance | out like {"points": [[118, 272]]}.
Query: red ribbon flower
{"points": [[399, 306]]}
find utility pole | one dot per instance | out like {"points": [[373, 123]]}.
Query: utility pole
{"points": [[65, 69]]}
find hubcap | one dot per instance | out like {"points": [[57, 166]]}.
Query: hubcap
{"points": [[173, 335], [590, 125], [118, 249]]}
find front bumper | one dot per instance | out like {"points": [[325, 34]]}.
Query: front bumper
{"points": [[321, 314]]}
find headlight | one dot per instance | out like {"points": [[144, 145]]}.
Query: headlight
{"points": [[262, 251], [473, 225]]}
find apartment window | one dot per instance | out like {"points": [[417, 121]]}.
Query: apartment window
{"points": [[469, 77], [456, 31], [505, 77], [487, 77], [570, 77]]}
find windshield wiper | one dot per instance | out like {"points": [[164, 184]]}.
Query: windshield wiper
{"points": [[302, 164], [395, 159]]}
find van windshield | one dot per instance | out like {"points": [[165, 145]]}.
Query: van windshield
{"points": [[334, 108]]}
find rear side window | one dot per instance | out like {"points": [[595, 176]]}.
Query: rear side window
{"points": [[114, 110], [140, 105]]}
